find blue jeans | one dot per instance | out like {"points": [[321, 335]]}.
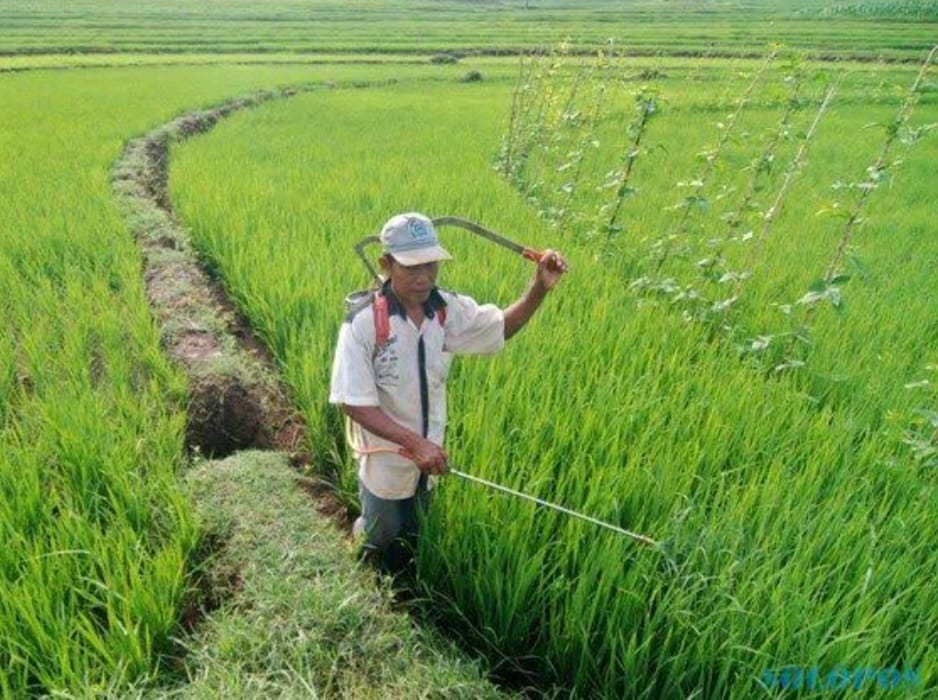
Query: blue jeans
{"points": [[391, 528]]}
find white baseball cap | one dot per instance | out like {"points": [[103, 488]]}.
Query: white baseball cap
{"points": [[411, 239]]}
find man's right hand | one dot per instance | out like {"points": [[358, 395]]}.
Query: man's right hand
{"points": [[429, 457]]}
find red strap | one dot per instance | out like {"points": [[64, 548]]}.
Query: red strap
{"points": [[382, 322]]}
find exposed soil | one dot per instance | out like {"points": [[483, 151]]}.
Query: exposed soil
{"points": [[213, 585], [327, 505]]}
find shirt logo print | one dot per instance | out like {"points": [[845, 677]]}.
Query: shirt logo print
{"points": [[385, 363]]}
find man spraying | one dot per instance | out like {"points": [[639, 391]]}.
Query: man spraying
{"points": [[389, 377]]}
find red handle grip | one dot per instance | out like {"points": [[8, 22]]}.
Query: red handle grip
{"points": [[532, 255]]}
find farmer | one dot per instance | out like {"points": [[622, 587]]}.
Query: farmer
{"points": [[391, 382]]}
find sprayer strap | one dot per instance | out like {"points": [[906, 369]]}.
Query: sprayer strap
{"points": [[383, 321]]}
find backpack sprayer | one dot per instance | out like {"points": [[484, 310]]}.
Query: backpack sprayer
{"points": [[356, 298]]}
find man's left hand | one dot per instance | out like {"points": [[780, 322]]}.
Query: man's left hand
{"points": [[550, 269]]}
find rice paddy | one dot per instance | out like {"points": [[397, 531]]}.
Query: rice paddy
{"points": [[741, 363]]}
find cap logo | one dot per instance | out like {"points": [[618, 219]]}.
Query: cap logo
{"points": [[418, 230], [412, 239]]}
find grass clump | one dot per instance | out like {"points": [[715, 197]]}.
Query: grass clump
{"points": [[302, 619]]}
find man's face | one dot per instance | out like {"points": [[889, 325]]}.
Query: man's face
{"points": [[411, 283]]}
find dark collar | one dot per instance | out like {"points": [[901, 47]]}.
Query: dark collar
{"points": [[433, 303]]}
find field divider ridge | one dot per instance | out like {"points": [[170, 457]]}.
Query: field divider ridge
{"points": [[236, 400]]}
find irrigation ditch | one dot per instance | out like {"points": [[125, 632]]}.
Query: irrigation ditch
{"points": [[236, 399]]}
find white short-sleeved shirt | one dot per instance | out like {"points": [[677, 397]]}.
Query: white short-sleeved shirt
{"points": [[390, 377]]}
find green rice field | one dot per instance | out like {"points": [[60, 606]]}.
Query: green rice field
{"points": [[741, 363]]}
